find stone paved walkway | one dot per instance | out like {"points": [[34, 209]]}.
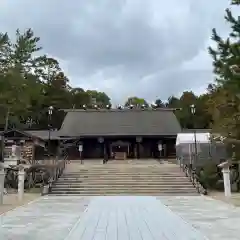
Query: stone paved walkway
{"points": [[122, 218], [214, 218], [10, 201]]}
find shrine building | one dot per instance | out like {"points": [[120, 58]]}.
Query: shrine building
{"points": [[121, 133]]}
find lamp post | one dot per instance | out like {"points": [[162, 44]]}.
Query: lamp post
{"points": [[2, 171], [50, 111], [193, 111], [3, 138]]}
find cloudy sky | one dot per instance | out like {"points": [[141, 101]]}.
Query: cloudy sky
{"points": [[149, 48]]}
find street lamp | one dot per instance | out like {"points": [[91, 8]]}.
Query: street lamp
{"points": [[2, 172], [3, 137], [193, 111], [50, 112]]}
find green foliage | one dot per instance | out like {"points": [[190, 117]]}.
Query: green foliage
{"points": [[160, 103], [201, 119], [31, 82], [225, 99], [135, 101], [209, 176]]}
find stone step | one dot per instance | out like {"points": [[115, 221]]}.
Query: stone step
{"points": [[113, 184], [122, 186], [121, 169], [170, 171], [122, 172], [122, 183], [137, 171], [98, 179], [124, 194], [125, 181], [125, 191], [122, 176], [133, 180]]}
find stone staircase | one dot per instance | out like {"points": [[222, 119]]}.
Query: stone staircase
{"points": [[123, 178]]}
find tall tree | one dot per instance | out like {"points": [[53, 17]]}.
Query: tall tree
{"points": [[135, 101], [31, 82], [5, 51], [23, 55], [99, 98], [159, 103], [226, 63]]}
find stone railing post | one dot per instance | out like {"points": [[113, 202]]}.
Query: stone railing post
{"points": [[21, 178], [2, 178], [226, 178]]}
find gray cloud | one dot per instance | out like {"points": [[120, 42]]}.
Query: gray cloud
{"points": [[124, 47]]}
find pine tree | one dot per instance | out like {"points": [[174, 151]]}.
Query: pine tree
{"points": [[226, 63], [225, 97], [227, 54]]}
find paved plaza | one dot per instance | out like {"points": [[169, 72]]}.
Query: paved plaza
{"points": [[122, 218]]}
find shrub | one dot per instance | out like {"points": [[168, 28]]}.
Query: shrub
{"points": [[209, 176]]}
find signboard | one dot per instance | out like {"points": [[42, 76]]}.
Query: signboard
{"points": [[138, 139], [80, 148], [160, 148]]}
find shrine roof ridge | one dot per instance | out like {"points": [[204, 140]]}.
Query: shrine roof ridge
{"points": [[119, 110]]}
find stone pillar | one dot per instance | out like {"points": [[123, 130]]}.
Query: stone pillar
{"points": [[21, 178], [2, 177], [226, 178], [227, 183]]}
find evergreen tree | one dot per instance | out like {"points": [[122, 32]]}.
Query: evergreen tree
{"points": [[226, 62], [225, 95]]}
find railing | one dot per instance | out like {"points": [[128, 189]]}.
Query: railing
{"points": [[55, 171], [190, 172], [36, 175]]}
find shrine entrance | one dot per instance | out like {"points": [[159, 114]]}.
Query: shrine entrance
{"points": [[120, 150]]}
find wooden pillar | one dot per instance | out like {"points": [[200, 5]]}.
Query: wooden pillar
{"points": [[160, 149], [106, 151], [138, 140], [102, 142], [135, 151], [138, 150], [165, 150], [80, 150]]}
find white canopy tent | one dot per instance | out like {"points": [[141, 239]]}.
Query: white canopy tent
{"points": [[205, 150], [190, 138]]}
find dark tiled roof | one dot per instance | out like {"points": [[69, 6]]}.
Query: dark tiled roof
{"points": [[119, 122], [43, 134]]}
